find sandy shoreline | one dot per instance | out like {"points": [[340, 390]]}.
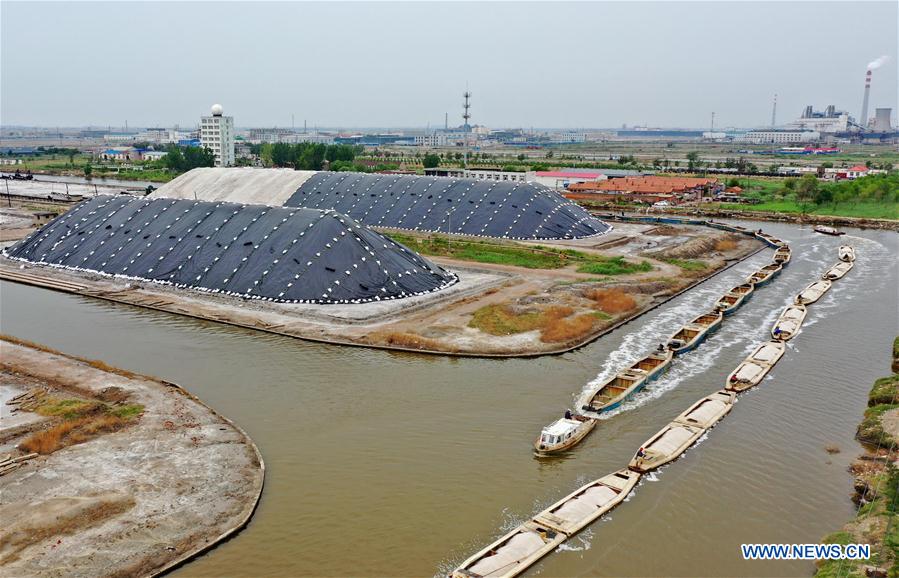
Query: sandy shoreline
{"points": [[137, 501]]}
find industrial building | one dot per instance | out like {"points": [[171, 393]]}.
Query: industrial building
{"points": [[646, 189], [249, 251], [779, 136], [217, 134], [503, 209], [828, 121]]}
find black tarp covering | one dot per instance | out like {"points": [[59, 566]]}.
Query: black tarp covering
{"points": [[513, 210], [272, 253]]}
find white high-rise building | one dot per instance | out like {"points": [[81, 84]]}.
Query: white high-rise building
{"points": [[217, 134]]}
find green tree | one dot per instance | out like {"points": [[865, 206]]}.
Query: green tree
{"points": [[521, 156], [88, 169], [283, 155], [806, 191], [431, 161], [692, 158]]}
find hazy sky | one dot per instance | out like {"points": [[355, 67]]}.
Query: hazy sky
{"points": [[368, 64]]}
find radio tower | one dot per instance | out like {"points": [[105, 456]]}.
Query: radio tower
{"points": [[465, 114]]}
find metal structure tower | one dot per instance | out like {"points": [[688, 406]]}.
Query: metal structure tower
{"points": [[466, 115]]}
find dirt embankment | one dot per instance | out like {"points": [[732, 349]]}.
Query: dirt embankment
{"points": [[799, 219], [496, 309], [123, 475], [875, 487]]}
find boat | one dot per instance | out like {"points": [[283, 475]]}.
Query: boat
{"points": [[765, 274], [665, 446], [755, 367], [782, 255], [813, 292], [563, 434], [693, 333], [847, 253], [709, 410], [838, 271], [789, 322], [513, 553], [583, 506], [626, 383], [769, 239], [828, 230], [731, 300]]}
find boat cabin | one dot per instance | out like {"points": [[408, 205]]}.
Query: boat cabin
{"points": [[558, 432]]}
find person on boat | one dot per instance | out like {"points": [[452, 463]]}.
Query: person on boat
{"points": [[641, 455], [567, 414], [777, 331], [661, 347]]}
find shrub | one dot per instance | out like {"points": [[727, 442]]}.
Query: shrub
{"points": [[71, 432], [567, 328], [611, 300], [724, 245]]}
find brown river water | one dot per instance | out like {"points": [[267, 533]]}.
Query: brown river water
{"points": [[390, 464]]}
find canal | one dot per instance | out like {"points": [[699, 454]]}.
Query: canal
{"points": [[387, 464]]}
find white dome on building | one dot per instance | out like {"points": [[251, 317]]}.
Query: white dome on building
{"points": [[217, 110]]}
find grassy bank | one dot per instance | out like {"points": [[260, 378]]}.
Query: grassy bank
{"points": [[865, 210], [876, 489], [520, 256]]}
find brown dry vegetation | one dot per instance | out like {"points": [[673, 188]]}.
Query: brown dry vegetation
{"points": [[71, 432], [506, 319], [556, 323], [611, 301], [410, 340], [568, 328], [725, 245], [75, 420]]}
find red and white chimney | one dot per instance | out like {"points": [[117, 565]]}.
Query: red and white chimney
{"points": [[863, 118]]}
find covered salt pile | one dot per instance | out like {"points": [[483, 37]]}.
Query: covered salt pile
{"points": [[253, 251], [503, 209], [514, 210]]}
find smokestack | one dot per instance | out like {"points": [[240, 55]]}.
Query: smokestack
{"points": [[863, 119], [774, 112]]}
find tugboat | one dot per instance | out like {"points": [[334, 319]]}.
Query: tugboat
{"points": [[563, 434]]}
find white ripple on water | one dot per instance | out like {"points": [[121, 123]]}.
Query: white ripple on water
{"points": [[585, 539], [734, 329], [732, 332], [639, 343]]}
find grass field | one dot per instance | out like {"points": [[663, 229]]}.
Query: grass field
{"points": [[520, 256], [868, 210], [59, 164]]}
